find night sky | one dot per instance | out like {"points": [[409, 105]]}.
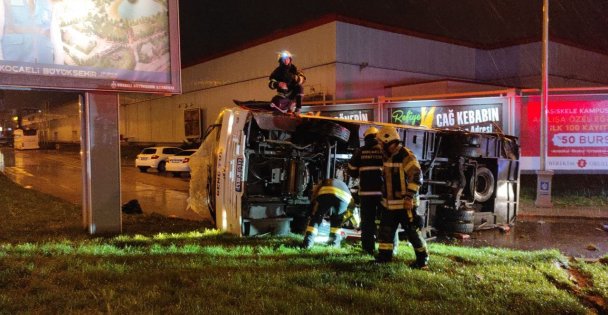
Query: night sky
{"points": [[210, 28]]}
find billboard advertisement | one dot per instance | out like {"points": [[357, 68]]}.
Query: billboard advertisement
{"points": [[472, 117], [99, 45], [577, 133]]}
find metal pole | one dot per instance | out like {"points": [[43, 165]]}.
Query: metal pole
{"points": [[545, 87], [100, 149], [544, 176]]}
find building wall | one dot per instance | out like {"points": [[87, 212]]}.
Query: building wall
{"points": [[368, 60], [57, 123], [347, 61], [520, 66], [242, 75], [439, 87]]}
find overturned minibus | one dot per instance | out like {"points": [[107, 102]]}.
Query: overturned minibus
{"points": [[255, 170]]}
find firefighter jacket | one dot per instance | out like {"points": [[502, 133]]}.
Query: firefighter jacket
{"points": [[288, 74], [403, 178], [366, 164], [336, 188]]}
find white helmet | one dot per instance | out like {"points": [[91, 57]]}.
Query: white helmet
{"points": [[388, 134], [284, 55], [370, 131]]}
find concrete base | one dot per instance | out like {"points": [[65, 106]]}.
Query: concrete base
{"points": [[543, 189]]}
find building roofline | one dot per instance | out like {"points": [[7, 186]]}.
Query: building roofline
{"points": [[332, 17]]}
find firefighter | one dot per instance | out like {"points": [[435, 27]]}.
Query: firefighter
{"points": [[288, 80], [366, 164], [402, 180], [331, 197]]}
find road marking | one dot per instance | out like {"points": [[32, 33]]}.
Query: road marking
{"points": [[18, 171]]}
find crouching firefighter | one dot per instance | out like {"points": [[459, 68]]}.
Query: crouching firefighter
{"points": [[366, 164], [331, 197], [288, 81], [402, 180]]}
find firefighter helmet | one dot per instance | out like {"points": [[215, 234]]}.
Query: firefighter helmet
{"points": [[370, 131], [281, 56], [388, 134]]}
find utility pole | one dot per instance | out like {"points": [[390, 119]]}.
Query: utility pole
{"points": [[544, 176]]}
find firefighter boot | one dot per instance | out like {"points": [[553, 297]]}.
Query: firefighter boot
{"points": [[368, 246], [385, 253], [384, 257], [422, 260], [309, 240], [298, 108], [335, 238]]}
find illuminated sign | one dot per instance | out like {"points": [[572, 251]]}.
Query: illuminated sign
{"points": [[102, 45], [577, 134], [359, 115], [476, 118]]}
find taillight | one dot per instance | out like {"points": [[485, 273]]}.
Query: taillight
{"points": [[154, 157], [186, 160]]}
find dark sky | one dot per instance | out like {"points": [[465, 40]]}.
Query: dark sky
{"points": [[212, 27]]}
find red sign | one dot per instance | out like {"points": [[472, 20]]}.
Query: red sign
{"points": [[577, 137]]}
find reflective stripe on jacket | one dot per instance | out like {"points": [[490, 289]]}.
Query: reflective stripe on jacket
{"points": [[367, 165], [403, 177]]}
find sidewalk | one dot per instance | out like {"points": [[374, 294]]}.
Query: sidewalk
{"points": [[561, 212]]}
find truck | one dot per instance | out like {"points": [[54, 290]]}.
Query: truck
{"points": [[255, 170]]}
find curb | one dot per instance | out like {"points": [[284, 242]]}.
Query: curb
{"points": [[562, 216]]}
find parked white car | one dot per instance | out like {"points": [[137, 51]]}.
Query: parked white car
{"points": [[179, 163], [155, 157]]}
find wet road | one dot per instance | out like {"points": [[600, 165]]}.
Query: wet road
{"points": [[577, 237], [59, 174]]}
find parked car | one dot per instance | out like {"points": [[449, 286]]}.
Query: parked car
{"points": [[155, 157], [179, 163]]}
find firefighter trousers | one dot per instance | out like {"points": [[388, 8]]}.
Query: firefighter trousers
{"points": [[370, 210], [388, 228], [326, 204]]}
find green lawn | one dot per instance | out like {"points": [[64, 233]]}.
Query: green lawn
{"points": [[49, 265], [568, 190]]}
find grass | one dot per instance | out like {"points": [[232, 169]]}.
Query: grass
{"points": [[48, 264], [589, 191]]}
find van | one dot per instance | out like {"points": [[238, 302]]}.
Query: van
{"points": [[255, 170]]}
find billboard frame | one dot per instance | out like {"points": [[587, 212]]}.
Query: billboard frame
{"points": [[28, 75]]}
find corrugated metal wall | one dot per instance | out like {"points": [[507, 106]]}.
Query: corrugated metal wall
{"points": [[347, 61], [241, 75]]}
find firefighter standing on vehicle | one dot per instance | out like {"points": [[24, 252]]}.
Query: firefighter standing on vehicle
{"points": [[402, 180], [366, 164], [288, 80], [331, 197]]}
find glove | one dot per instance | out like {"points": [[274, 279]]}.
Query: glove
{"points": [[408, 203]]}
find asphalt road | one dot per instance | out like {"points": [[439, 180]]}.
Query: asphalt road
{"points": [[59, 173], [576, 237]]}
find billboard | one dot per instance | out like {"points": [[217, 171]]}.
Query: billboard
{"points": [[475, 117], [577, 133], [90, 45]]}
